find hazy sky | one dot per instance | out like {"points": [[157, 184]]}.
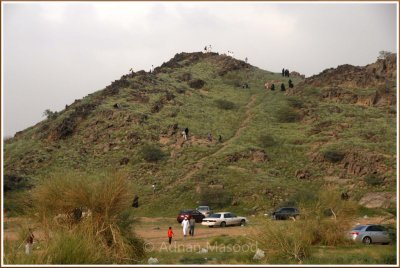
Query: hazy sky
{"points": [[54, 53]]}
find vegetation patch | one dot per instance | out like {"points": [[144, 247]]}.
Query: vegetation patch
{"points": [[152, 153], [267, 141], [287, 114], [225, 104], [333, 156], [374, 180]]}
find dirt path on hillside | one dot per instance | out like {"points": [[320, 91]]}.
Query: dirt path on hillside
{"points": [[200, 163]]}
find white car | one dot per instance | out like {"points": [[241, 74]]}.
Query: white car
{"points": [[223, 219]]}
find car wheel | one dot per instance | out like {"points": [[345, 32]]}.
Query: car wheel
{"points": [[242, 223], [210, 226], [367, 240], [223, 224]]}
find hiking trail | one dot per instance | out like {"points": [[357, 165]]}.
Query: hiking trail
{"points": [[200, 163]]}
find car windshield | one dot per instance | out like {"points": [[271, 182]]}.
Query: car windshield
{"points": [[203, 208], [215, 216]]}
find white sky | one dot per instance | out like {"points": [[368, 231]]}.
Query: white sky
{"points": [[55, 52]]}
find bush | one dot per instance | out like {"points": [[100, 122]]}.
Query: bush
{"points": [[151, 153], [225, 105], [291, 241], [103, 235], [295, 102], [374, 180], [196, 83], [267, 141], [216, 198], [333, 156], [287, 115], [285, 242]]}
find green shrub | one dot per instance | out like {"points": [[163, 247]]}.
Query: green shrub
{"points": [[267, 141], [74, 248], [295, 102], [193, 260], [151, 153], [216, 198], [333, 156], [373, 180], [104, 236], [225, 104], [389, 258], [287, 114]]}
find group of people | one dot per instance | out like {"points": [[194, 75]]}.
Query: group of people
{"points": [[187, 228], [210, 138], [267, 85], [207, 49], [285, 72], [185, 134]]}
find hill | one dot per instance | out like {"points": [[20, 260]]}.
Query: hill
{"points": [[336, 129]]}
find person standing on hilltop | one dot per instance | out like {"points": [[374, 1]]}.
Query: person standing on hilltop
{"points": [[283, 72], [245, 59]]}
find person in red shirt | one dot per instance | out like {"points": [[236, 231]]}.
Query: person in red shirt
{"points": [[170, 234]]}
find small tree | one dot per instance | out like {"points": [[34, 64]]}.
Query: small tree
{"points": [[49, 114], [383, 55]]}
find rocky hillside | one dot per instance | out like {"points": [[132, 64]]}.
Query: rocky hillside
{"points": [[266, 147]]}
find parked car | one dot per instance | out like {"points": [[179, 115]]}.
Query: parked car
{"points": [[190, 214], [223, 219], [205, 210], [370, 233], [285, 213]]}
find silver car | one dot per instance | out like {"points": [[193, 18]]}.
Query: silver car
{"points": [[369, 234], [223, 219], [205, 210]]}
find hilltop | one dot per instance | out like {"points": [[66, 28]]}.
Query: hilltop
{"points": [[333, 129]]}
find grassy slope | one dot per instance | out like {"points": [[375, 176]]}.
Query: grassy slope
{"points": [[244, 180]]}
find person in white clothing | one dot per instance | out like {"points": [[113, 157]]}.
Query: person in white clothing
{"points": [[185, 225]]}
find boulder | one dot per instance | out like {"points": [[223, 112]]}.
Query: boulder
{"points": [[152, 260], [378, 200], [259, 255]]}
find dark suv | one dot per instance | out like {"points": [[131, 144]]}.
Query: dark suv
{"points": [[190, 214], [285, 213]]}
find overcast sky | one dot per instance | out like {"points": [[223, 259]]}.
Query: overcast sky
{"points": [[54, 53]]}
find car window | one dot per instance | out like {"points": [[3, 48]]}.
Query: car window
{"points": [[216, 215], [358, 227], [372, 228], [227, 215], [379, 228]]}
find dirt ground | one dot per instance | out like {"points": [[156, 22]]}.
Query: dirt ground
{"points": [[154, 232]]}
